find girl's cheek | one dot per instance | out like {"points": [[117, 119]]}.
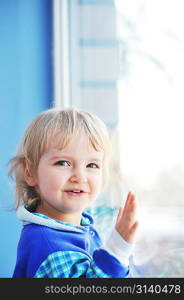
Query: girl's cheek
{"points": [[99, 182]]}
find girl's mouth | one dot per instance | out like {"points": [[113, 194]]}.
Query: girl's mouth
{"points": [[75, 193]]}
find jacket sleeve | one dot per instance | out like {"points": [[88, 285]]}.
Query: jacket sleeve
{"points": [[71, 264]]}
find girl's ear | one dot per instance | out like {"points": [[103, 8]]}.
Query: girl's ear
{"points": [[28, 176]]}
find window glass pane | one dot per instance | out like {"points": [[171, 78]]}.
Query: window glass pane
{"points": [[151, 102]]}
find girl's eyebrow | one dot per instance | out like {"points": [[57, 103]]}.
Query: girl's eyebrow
{"points": [[66, 156], [59, 156], [71, 158]]}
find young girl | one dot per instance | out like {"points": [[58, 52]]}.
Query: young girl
{"points": [[60, 169]]}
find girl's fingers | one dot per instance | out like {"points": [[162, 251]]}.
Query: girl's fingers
{"points": [[121, 210], [129, 215], [132, 213], [130, 207], [126, 223], [119, 214], [128, 200], [132, 232]]}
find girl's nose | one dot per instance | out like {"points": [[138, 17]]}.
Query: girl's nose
{"points": [[78, 177]]}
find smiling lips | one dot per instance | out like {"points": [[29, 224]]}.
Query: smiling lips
{"points": [[75, 193]]}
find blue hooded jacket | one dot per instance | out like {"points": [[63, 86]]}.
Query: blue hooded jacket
{"points": [[51, 248]]}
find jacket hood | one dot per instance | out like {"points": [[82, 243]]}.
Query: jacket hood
{"points": [[27, 217]]}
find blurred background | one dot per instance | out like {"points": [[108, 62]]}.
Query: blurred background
{"points": [[124, 61]]}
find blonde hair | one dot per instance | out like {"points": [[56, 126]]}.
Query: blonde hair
{"points": [[38, 136]]}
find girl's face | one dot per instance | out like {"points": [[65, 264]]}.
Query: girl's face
{"points": [[69, 180]]}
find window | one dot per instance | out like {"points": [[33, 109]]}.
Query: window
{"points": [[151, 93]]}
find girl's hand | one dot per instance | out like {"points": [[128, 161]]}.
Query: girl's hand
{"points": [[126, 223]]}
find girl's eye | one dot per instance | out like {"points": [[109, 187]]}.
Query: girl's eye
{"points": [[93, 166], [64, 163]]}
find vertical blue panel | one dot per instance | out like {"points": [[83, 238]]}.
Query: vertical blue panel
{"points": [[26, 88]]}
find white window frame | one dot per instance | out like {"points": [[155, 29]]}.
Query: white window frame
{"points": [[61, 54]]}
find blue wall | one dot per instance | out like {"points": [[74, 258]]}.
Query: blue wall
{"points": [[26, 88]]}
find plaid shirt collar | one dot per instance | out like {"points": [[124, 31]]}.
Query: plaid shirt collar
{"points": [[86, 220]]}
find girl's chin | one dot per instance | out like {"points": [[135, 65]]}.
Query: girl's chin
{"points": [[72, 209]]}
